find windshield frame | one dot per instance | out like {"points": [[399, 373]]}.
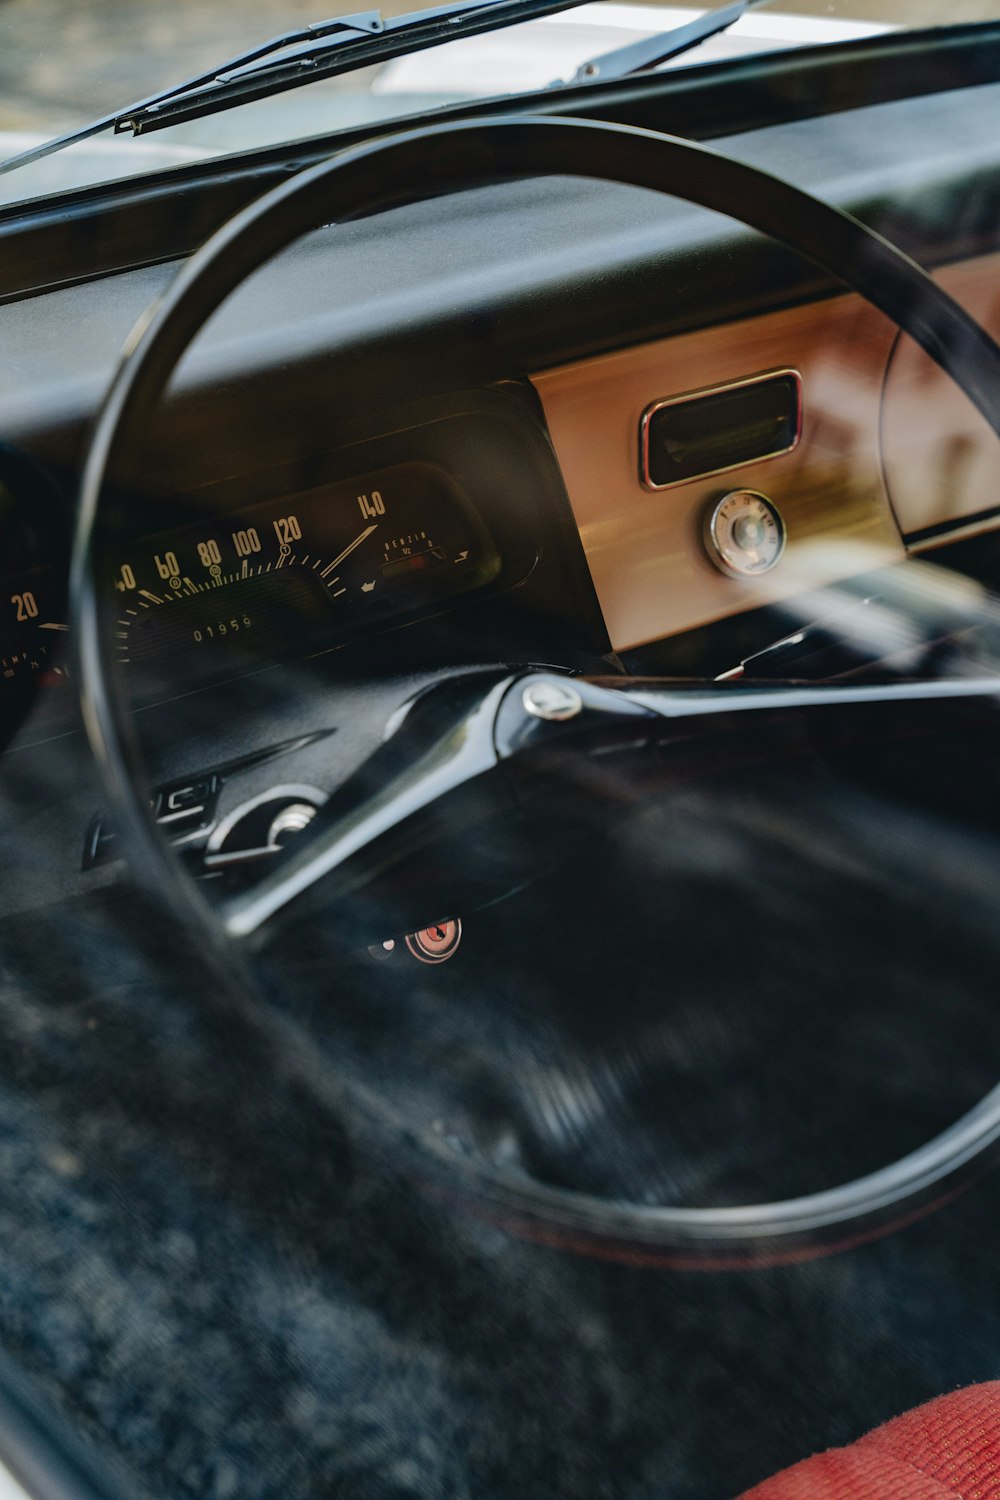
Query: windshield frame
{"points": [[129, 221]]}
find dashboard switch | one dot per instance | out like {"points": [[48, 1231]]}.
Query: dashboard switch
{"points": [[185, 798], [187, 803]]}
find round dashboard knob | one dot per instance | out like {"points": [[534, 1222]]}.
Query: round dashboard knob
{"points": [[744, 534]]}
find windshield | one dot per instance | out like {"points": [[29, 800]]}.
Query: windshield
{"points": [[61, 68]]}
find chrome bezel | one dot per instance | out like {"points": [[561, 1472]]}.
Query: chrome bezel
{"points": [[712, 544], [716, 390]]}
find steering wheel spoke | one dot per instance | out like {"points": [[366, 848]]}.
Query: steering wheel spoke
{"points": [[482, 748], [436, 745]]}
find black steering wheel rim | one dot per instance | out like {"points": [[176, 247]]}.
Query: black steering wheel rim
{"points": [[368, 179]]}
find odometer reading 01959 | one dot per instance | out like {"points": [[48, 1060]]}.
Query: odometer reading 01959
{"points": [[289, 576]]}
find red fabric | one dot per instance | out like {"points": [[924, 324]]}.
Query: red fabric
{"points": [[948, 1448]]}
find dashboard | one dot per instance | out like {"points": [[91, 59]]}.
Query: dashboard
{"points": [[448, 465]]}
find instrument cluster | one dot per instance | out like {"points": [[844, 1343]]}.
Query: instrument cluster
{"points": [[228, 588], [294, 575], [450, 519]]}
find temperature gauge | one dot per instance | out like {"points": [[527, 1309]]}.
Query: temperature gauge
{"points": [[745, 534]]}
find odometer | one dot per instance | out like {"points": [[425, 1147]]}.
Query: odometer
{"points": [[289, 576]]}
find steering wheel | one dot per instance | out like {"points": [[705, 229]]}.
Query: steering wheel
{"points": [[473, 748]]}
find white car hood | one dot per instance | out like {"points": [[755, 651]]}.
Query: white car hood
{"points": [[538, 53]]}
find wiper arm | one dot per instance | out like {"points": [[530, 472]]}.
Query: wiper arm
{"points": [[119, 117], [639, 57], [321, 50]]}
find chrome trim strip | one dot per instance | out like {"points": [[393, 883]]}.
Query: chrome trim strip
{"points": [[959, 530], [700, 702], [715, 390]]}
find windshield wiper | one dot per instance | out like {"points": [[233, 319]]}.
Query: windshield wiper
{"points": [[320, 50], [345, 43], [640, 57]]}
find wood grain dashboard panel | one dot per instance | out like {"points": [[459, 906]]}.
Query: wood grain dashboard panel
{"points": [[645, 549], [942, 460]]}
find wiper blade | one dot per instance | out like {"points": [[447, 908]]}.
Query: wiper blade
{"points": [[639, 57], [321, 50]]}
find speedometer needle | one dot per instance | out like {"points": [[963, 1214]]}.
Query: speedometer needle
{"points": [[350, 548]]}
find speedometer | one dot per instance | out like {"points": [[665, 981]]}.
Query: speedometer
{"points": [[293, 575]]}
